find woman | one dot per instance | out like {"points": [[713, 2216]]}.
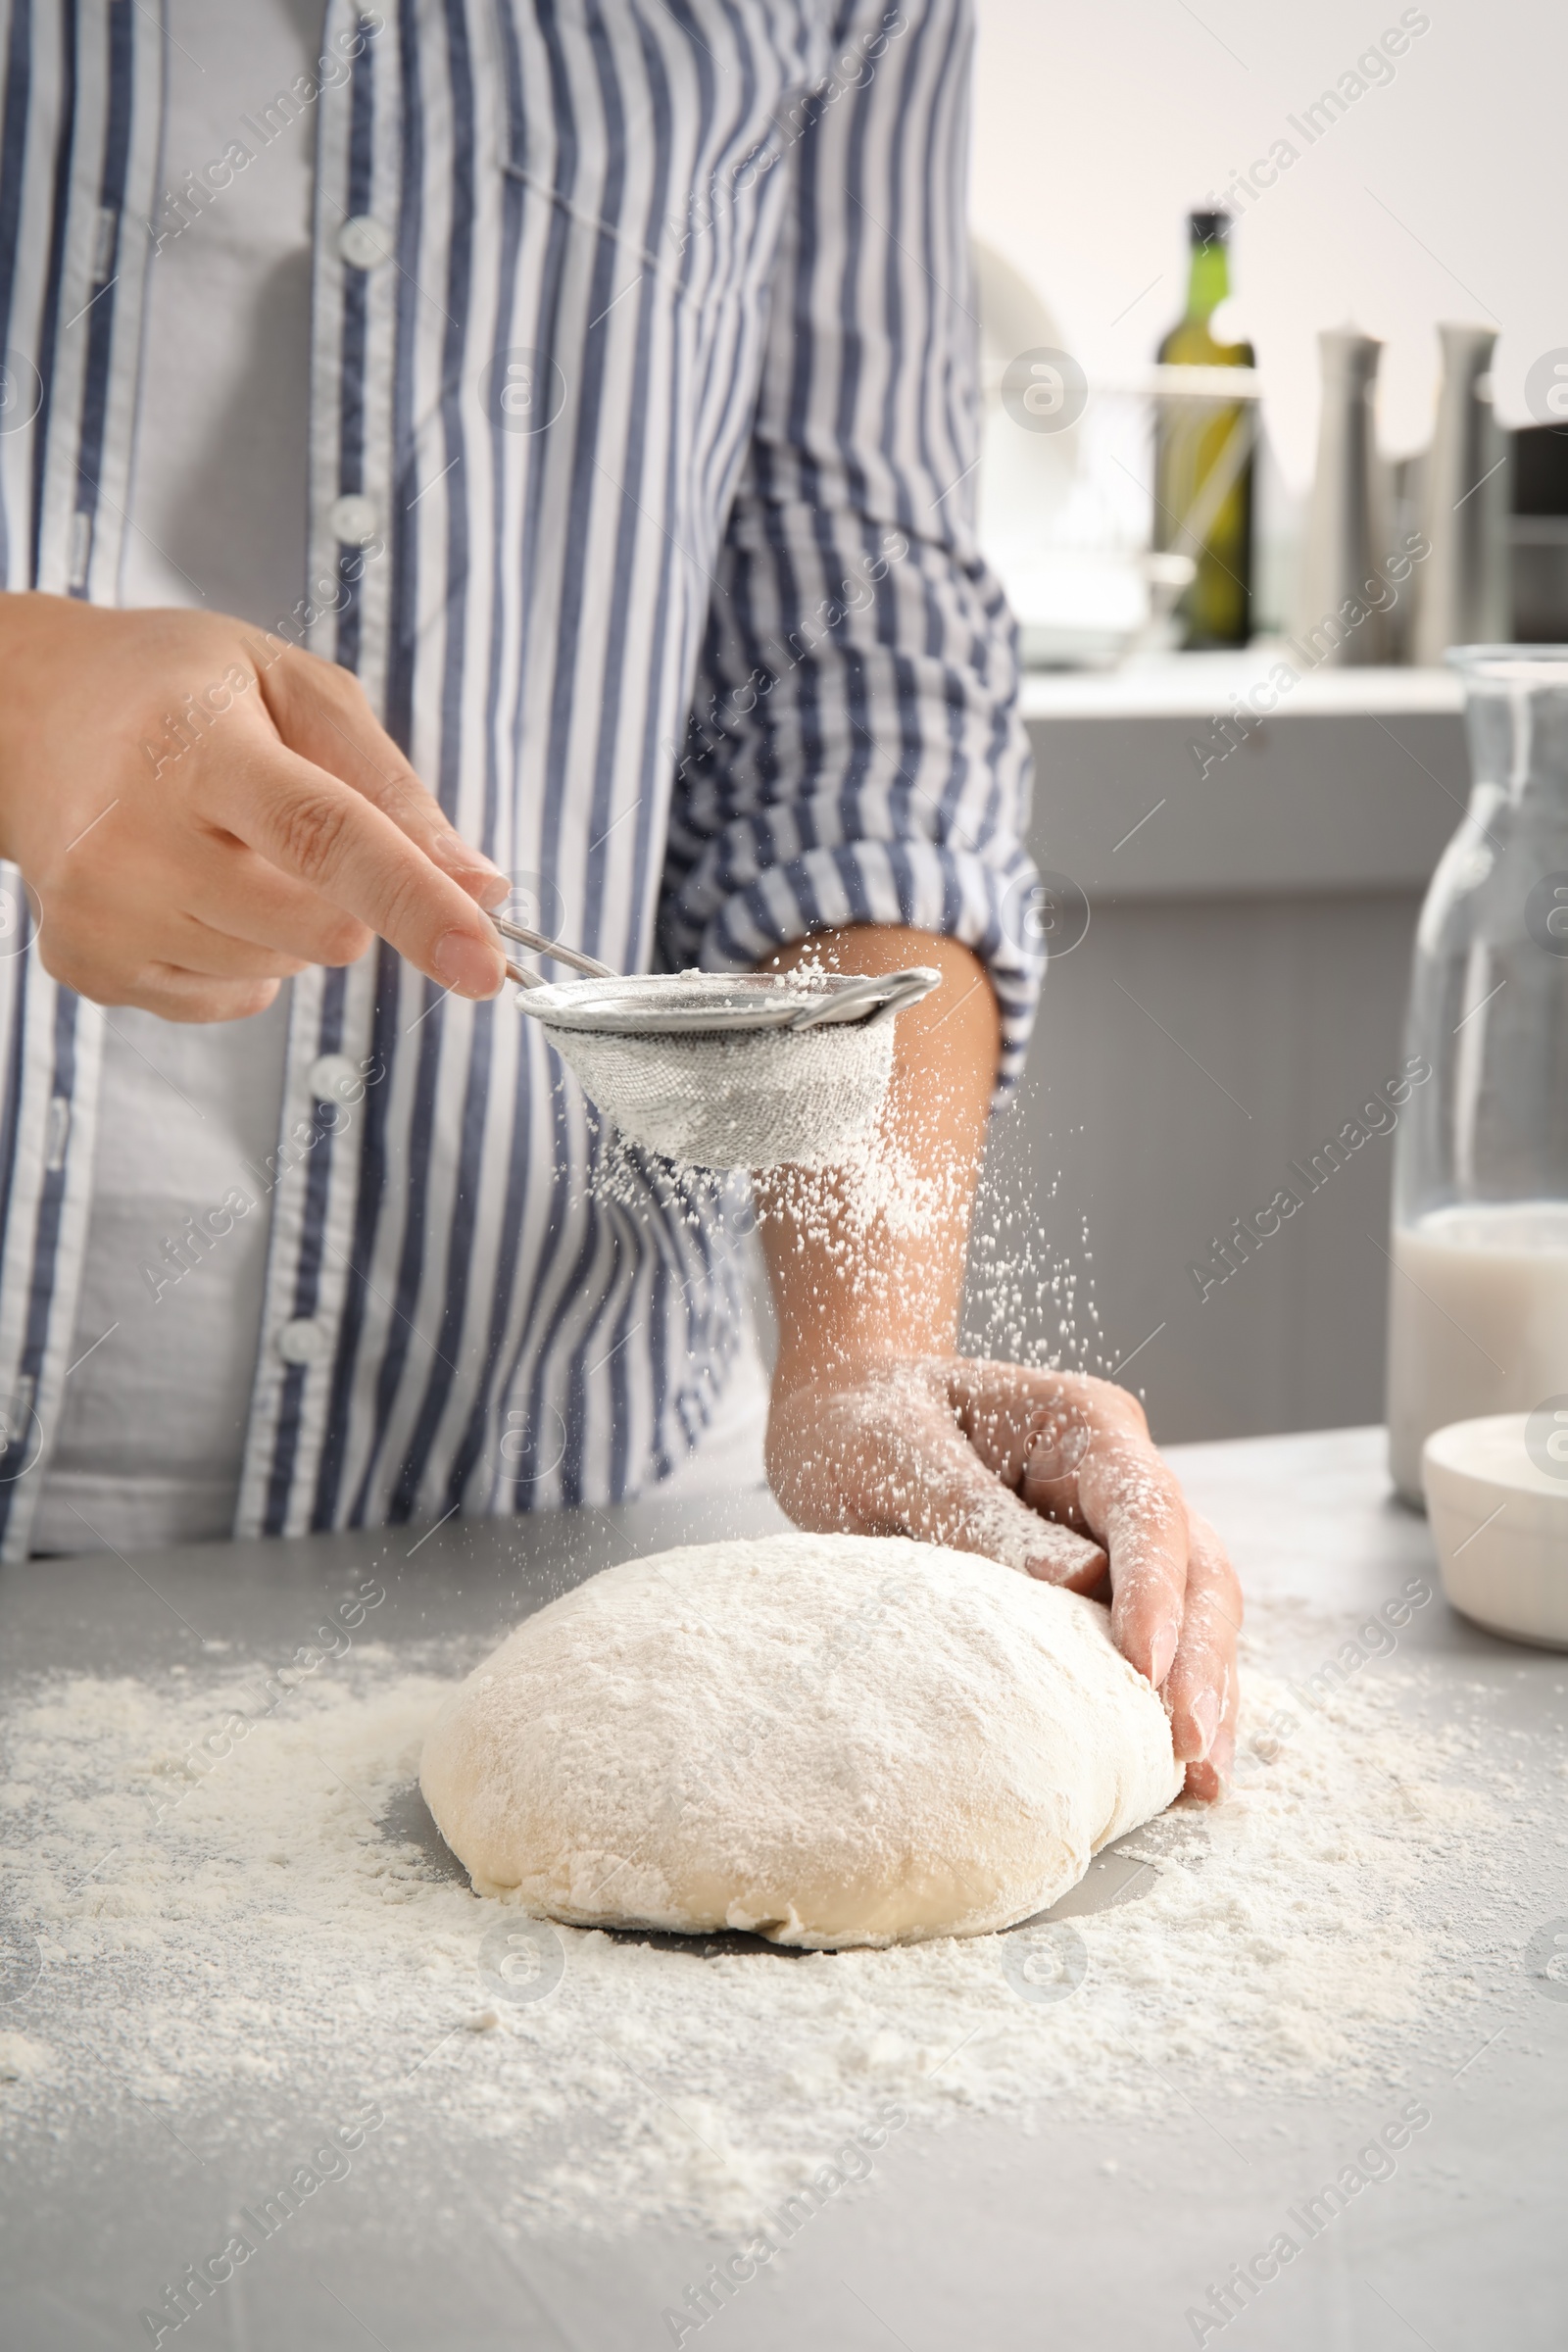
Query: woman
{"points": [[607, 388]]}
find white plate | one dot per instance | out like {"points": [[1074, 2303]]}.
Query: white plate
{"points": [[1501, 1526]]}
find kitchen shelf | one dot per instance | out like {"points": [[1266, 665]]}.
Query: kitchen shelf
{"points": [[1201, 685], [1352, 785]]}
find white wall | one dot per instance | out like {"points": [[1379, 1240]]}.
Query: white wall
{"points": [[1437, 195]]}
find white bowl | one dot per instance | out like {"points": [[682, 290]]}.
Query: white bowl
{"points": [[1500, 1524]]}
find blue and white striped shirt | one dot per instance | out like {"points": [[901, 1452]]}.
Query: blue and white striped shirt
{"points": [[643, 427]]}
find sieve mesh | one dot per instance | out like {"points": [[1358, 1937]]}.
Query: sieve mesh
{"points": [[755, 1099]]}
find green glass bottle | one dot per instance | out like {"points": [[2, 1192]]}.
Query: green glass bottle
{"points": [[1193, 442]]}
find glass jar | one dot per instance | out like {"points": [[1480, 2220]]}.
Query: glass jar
{"points": [[1478, 1319]]}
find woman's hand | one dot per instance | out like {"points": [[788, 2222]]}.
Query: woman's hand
{"points": [[199, 810], [1050, 1472]]}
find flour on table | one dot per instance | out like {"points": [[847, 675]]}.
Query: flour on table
{"points": [[24, 2060], [826, 1739], [217, 1951]]}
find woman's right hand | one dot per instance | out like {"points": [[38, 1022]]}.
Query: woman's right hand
{"points": [[199, 811]]}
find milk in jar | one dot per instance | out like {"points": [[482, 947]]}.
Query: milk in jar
{"points": [[1477, 1284], [1478, 1320]]}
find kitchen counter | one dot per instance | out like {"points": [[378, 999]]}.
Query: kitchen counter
{"points": [[1350, 780], [1079, 2233]]}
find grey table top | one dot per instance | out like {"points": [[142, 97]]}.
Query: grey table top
{"points": [[1080, 2234]]}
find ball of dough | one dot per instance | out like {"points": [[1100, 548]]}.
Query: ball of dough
{"points": [[826, 1740]]}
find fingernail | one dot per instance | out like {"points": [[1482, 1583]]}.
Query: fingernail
{"points": [[469, 866], [469, 965], [483, 884], [1205, 1712], [1161, 1652]]}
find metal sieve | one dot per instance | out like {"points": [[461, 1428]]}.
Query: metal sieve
{"points": [[721, 1069]]}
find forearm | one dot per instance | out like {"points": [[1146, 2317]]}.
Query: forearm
{"points": [[855, 1290]]}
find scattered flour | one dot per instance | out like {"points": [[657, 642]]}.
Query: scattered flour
{"points": [[289, 1927], [24, 2060]]}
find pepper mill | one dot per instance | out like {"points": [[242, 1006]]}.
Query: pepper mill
{"points": [[1463, 586], [1347, 533]]}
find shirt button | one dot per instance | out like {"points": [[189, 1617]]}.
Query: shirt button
{"points": [[352, 519], [333, 1078], [302, 1342], [362, 242]]}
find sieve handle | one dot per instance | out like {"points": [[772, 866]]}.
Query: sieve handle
{"points": [[542, 945], [889, 992]]}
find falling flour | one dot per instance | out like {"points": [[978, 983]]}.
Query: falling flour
{"points": [[206, 1947]]}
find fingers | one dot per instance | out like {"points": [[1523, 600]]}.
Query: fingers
{"points": [[1013, 1415], [1027, 1427], [183, 893], [948, 1495], [245, 898], [890, 1458], [320, 712], [1080, 1448], [207, 955], [212, 910], [1210, 1776], [1034, 1428], [180, 969], [317, 830], [187, 997], [1135, 1506], [1049, 1490], [1202, 1689]]}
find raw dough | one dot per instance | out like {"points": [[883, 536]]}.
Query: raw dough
{"points": [[827, 1739]]}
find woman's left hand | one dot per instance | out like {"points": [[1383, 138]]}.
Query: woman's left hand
{"points": [[1051, 1472]]}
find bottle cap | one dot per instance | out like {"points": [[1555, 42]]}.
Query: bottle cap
{"points": [[1209, 228]]}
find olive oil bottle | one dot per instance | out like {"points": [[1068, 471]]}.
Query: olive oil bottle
{"points": [[1197, 443]]}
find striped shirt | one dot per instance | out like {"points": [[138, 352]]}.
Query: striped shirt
{"points": [[643, 427]]}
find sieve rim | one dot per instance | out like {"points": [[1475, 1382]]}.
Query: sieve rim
{"points": [[712, 1004]]}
